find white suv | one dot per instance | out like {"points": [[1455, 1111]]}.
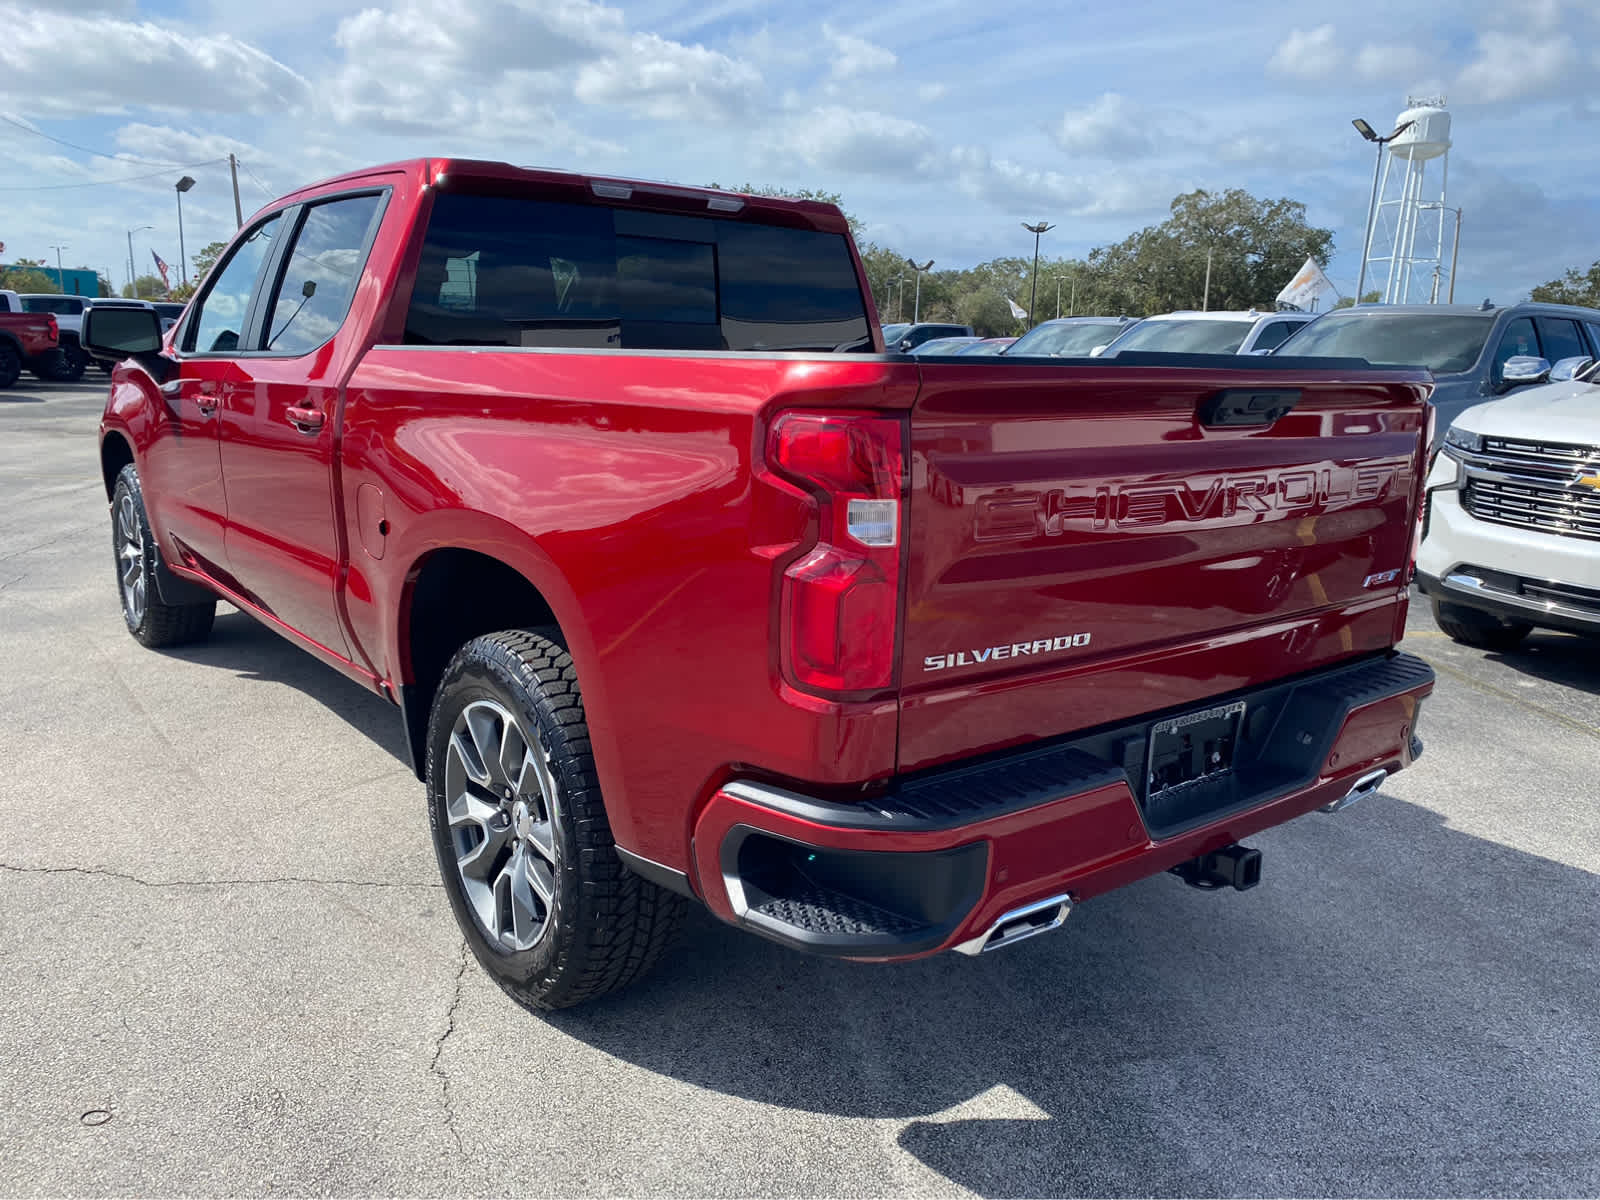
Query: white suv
{"points": [[1511, 524]]}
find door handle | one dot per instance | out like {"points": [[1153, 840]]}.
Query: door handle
{"points": [[306, 420]]}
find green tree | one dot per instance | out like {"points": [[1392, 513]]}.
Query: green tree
{"points": [[206, 259], [29, 275], [1367, 298], [146, 287], [1575, 287]]}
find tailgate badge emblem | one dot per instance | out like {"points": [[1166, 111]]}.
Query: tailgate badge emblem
{"points": [[1381, 578]]}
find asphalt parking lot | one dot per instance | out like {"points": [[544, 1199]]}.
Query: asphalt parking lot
{"points": [[228, 967]]}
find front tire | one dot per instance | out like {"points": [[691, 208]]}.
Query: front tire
{"points": [[10, 365], [521, 833], [1472, 628], [152, 622]]}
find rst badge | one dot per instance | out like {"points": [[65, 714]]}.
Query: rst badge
{"points": [[976, 657]]}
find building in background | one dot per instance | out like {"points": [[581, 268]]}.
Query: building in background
{"points": [[72, 282]]}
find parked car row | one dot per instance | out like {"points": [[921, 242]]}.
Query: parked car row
{"points": [[67, 360]]}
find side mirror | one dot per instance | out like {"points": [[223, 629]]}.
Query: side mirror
{"points": [[1523, 369], [1095, 353], [120, 332], [905, 346], [1569, 368]]}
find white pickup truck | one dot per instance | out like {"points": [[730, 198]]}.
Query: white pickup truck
{"points": [[1511, 522]]}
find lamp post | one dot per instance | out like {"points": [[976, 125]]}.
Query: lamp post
{"points": [[916, 312], [133, 274], [1033, 288], [900, 297], [183, 185], [1371, 135], [61, 276]]}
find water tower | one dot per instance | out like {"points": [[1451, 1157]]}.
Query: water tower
{"points": [[1406, 236]]}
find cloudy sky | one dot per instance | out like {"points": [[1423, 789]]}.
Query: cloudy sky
{"points": [[942, 122]]}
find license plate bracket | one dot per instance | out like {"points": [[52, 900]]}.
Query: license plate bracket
{"points": [[1192, 749]]}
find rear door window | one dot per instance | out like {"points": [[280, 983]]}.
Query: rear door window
{"points": [[505, 271], [1560, 338]]}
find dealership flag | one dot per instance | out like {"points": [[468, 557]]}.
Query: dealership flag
{"points": [[1307, 287], [162, 267], [1017, 310]]}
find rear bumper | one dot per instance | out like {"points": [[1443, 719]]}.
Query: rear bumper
{"points": [[933, 863]]}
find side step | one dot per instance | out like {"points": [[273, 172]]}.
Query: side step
{"points": [[1235, 866]]}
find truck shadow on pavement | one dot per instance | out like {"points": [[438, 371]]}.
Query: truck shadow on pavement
{"points": [[1399, 1008], [241, 644], [1567, 659]]}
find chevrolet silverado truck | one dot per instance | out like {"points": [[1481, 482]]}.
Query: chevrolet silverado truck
{"points": [[28, 341], [1511, 531], [686, 590]]}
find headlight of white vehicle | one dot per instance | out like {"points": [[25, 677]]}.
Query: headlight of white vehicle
{"points": [[1463, 439]]}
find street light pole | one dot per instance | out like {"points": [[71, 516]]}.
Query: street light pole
{"points": [[183, 185], [61, 276], [133, 273], [1371, 135], [1041, 228], [916, 312]]}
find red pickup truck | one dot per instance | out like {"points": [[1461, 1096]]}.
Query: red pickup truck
{"points": [[27, 340], [686, 590]]}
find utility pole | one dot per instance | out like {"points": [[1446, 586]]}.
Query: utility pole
{"points": [[238, 213], [1042, 227], [133, 273], [1058, 296], [916, 313], [1072, 305], [1205, 299], [61, 276]]}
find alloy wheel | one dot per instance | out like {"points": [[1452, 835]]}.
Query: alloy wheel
{"points": [[130, 559]]}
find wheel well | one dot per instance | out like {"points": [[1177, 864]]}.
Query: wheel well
{"points": [[115, 453], [458, 595]]}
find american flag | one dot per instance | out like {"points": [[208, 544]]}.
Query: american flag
{"points": [[162, 267]]}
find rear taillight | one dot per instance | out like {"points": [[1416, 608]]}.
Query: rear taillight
{"points": [[841, 600], [51, 324]]}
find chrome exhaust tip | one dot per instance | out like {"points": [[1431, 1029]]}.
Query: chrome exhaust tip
{"points": [[1019, 925], [1365, 786]]}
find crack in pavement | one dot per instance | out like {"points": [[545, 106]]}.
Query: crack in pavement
{"points": [[438, 1052], [172, 883]]}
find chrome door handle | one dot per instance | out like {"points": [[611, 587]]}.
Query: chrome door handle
{"points": [[306, 420]]}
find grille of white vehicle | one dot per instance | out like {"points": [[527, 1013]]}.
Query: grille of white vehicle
{"points": [[1547, 486]]}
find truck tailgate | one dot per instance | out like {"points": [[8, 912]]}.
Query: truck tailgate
{"points": [[1087, 544]]}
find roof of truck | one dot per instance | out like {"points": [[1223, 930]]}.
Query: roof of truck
{"points": [[575, 186]]}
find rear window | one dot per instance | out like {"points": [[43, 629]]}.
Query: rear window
{"points": [[1187, 337], [62, 306], [503, 271]]}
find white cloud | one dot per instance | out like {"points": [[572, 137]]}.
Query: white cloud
{"points": [[1308, 54], [1388, 61], [852, 56], [1111, 127], [669, 81], [929, 92], [56, 64], [1510, 66], [853, 139]]}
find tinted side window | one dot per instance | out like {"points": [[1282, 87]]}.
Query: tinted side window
{"points": [[1518, 339], [1560, 338], [1594, 337], [319, 279], [1274, 334], [218, 323], [502, 271]]}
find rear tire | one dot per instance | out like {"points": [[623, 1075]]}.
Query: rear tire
{"points": [[151, 622], [10, 365], [521, 833], [1473, 628]]}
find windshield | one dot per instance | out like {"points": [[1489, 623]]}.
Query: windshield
{"points": [[1068, 341], [893, 333], [947, 345], [1441, 342], [64, 306], [1186, 337], [987, 346]]}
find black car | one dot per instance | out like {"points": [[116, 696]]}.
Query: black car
{"points": [[904, 338], [1466, 348]]}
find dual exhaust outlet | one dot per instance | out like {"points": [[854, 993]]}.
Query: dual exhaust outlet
{"points": [[1237, 867]]}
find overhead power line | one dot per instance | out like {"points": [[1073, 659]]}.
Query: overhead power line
{"points": [[270, 194], [56, 187], [154, 162]]}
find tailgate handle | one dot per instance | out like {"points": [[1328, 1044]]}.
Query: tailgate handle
{"points": [[1247, 406]]}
